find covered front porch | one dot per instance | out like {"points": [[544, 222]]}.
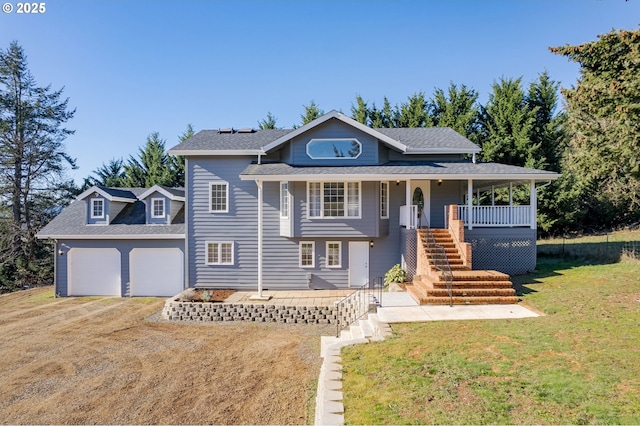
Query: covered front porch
{"points": [[476, 204]]}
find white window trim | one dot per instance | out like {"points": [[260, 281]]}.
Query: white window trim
{"points": [[95, 201], [313, 254], [339, 265], [284, 213], [220, 243], [346, 202], [384, 202], [153, 208], [333, 140], [218, 182]]}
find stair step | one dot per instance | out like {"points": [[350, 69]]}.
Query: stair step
{"points": [[471, 292], [366, 327], [356, 332], [473, 284], [486, 300]]}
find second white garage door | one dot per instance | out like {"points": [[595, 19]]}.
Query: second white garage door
{"points": [[156, 271], [94, 272]]}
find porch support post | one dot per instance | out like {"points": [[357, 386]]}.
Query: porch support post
{"points": [[259, 296], [511, 193], [470, 203], [533, 201], [408, 203], [493, 196]]}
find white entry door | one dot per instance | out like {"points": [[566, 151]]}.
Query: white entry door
{"points": [[358, 263]]}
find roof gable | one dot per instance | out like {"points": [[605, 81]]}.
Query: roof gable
{"points": [[111, 194], [174, 194]]}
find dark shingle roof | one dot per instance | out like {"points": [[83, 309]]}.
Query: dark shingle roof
{"points": [[416, 139], [214, 140], [449, 168], [130, 222]]}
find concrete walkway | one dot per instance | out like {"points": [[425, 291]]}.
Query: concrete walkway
{"points": [[401, 307]]}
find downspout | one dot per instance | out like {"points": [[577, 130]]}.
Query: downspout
{"points": [[55, 268], [470, 204], [259, 183]]}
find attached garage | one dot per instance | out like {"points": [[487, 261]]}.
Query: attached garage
{"points": [[156, 271], [94, 272]]}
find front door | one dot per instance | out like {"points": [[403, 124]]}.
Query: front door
{"points": [[358, 263]]}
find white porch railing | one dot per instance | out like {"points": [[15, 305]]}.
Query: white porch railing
{"points": [[485, 216], [411, 221]]}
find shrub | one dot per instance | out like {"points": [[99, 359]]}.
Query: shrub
{"points": [[395, 275]]}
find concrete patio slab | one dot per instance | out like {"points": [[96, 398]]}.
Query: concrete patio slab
{"points": [[398, 314]]}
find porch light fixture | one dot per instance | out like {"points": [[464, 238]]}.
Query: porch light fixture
{"points": [[439, 182], [61, 252], [371, 243], [398, 182]]}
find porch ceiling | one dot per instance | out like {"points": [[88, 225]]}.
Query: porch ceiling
{"points": [[484, 173]]}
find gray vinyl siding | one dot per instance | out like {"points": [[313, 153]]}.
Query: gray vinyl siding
{"points": [[398, 156], [365, 227], [449, 192], [149, 210], [123, 246], [97, 221], [239, 225], [174, 209], [386, 250], [330, 130]]}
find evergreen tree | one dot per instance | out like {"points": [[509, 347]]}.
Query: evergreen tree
{"points": [[268, 123], [110, 174], [601, 169], [360, 111], [414, 112], [457, 109], [506, 125], [153, 166], [311, 112], [32, 166]]}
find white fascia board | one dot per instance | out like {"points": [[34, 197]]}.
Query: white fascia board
{"points": [[392, 177], [113, 237], [347, 120], [214, 152], [158, 188]]}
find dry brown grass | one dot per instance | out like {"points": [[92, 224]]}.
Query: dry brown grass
{"points": [[99, 361]]}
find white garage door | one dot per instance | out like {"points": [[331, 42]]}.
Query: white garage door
{"points": [[156, 271], [94, 272]]}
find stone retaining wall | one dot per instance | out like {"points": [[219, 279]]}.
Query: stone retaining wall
{"points": [[199, 311]]}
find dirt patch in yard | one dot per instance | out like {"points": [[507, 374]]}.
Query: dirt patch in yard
{"points": [[112, 361]]}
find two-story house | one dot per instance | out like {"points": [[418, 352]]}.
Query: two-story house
{"points": [[331, 204]]}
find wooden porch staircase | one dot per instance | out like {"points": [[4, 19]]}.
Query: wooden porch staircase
{"points": [[468, 287]]}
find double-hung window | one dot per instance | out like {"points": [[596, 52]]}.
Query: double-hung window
{"points": [[307, 254], [157, 207], [218, 197], [384, 200], [219, 253], [334, 254], [284, 200], [334, 199], [97, 208]]}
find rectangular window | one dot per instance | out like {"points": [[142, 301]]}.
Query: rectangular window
{"points": [[219, 197], [384, 200], [334, 254], [284, 199], [314, 199], [307, 254], [157, 207], [334, 199], [219, 253], [97, 208]]}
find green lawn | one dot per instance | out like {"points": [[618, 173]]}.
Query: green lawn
{"points": [[578, 364]]}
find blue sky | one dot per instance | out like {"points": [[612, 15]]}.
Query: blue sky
{"points": [[134, 67]]}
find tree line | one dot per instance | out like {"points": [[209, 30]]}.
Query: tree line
{"points": [[593, 140]]}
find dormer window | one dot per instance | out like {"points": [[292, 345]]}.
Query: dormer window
{"points": [[157, 207], [97, 208], [332, 149]]}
